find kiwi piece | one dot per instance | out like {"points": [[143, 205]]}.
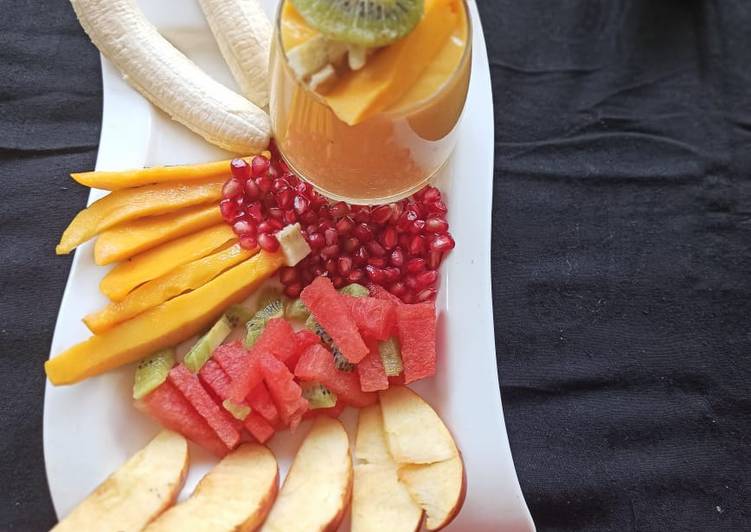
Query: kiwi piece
{"points": [[272, 309], [355, 290], [151, 372], [202, 349], [367, 23], [318, 395], [391, 357], [238, 314], [296, 310], [340, 361], [238, 411]]}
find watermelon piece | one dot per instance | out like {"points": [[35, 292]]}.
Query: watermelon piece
{"points": [[370, 369], [258, 427], [417, 336], [332, 412], [286, 393], [277, 338], [170, 408], [305, 338], [218, 384], [261, 402], [317, 364], [242, 368], [375, 318], [327, 307], [217, 418], [379, 292]]}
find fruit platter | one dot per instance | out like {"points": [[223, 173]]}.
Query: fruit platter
{"points": [[279, 312]]}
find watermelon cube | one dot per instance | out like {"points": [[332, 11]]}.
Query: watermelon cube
{"points": [[417, 336], [305, 338], [277, 338], [317, 364], [370, 369], [170, 408], [379, 292], [218, 384], [242, 368], [286, 393], [261, 402], [327, 307], [217, 418], [258, 427], [375, 318]]}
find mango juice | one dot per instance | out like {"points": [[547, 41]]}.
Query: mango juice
{"points": [[383, 131]]}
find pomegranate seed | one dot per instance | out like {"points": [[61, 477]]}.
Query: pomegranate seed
{"points": [[427, 295], [330, 251], [324, 224], [248, 242], [251, 190], [264, 184], [293, 290], [228, 209], [436, 225], [374, 248], [337, 281], [417, 227], [324, 211], [442, 243], [301, 204], [380, 215], [398, 289], [392, 274], [345, 265], [302, 188], [331, 266], [363, 232], [287, 275], [307, 277], [431, 195], [404, 241], [362, 214], [289, 216], [438, 207], [351, 244], [255, 211], [260, 165], [232, 189], [434, 259], [279, 184], [419, 194], [308, 217], [276, 213], [269, 202], [361, 256], [397, 258], [331, 236], [284, 197], [415, 265], [345, 225], [314, 260], [417, 245], [408, 298], [268, 242], [273, 172], [265, 227], [389, 238], [375, 274], [319, 271], [411, 282], [243, 227], [316, 240], [397, 210], [276, 225], [427, 278], [355, 276], [406, 219], [240, 169], [339, 209], [378, 262]]}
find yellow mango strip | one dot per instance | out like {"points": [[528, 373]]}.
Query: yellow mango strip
{"points": [[294, 29], [392, 71], [157, 174], [130, 204], [130, 238], [157, 261], [155, 292], [167, 325]]}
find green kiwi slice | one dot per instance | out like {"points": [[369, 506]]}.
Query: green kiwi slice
{"points": [[318, 395], [355, 290], [273, 308], [391, 356], [202, 349], [368, 23], [238, 314], [151, 372], [340, 361], [296, 310]]}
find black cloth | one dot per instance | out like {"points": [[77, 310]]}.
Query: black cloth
{"points": [[621, 251]]}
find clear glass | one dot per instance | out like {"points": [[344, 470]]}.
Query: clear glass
{"points": [[384, 158]]}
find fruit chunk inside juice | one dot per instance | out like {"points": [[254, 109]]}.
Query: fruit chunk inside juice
{"points": [[391, 148]]}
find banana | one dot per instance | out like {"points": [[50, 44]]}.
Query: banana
{"points": [[243, 32], [170, 80]]}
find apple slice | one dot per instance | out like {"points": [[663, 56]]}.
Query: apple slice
{"points": [[140, 490], [379, 501], [319, 483], [439, 489], [235, 495]]}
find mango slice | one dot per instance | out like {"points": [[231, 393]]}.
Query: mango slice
{"points": [[155, 292], [128, 239], [392, 71], [124, 205], [166, 325], [157, 261], [156, 174]]}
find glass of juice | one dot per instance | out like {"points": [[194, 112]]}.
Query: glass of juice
{"points": [[374, 132]]}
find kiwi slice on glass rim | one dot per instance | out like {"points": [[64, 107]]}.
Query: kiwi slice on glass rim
{"points": [[368, 23]]}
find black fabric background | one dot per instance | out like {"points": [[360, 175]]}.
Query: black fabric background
{"points": [[621, 251]]}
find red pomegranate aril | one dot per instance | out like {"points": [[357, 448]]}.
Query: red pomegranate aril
{"points": [[264, 184], [332, 237], [290, 216], [397, 258], [426, 295], [361, 256], [287, 275], [320, 271], [375, 274], [306, 276], [398, 289], [252, 192], [324, 211], [442, 243], [344, 225], [273, 172], [363, 232], [436, 225], [316, 240], [293, 290], [259, 165], [330, 251], [279, 184], [431, 195], [409, 298], [244, 227], [355, 276], [434, 259], [415, 265], [419, 194], [389, 238], [240, 169], [339, 209], [392, 274], [248, 242], [404, 240], [276, 225], [351, 244], [314, 259], [411, 282], [324, 224], [345, 265], [438, 207], [276, 213], [396, 211], [232, 188], [378, 262], [284, 197], [362, 214], [268, 242], [308, 217], [417, 245], [265, 227], [380, 215], [255, 212], [331, 266], [417, 227], [406, 219], [427, 278], [228, 208], [376, 249], [338, 281], [300, 204]]}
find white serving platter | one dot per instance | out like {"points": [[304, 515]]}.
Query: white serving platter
{"points": [[92, 427]]}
